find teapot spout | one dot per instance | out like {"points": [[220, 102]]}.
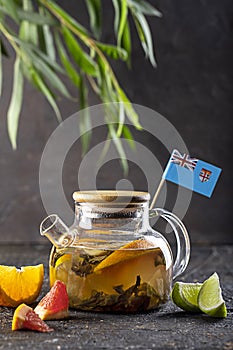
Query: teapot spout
{"points": [[56, 231]]}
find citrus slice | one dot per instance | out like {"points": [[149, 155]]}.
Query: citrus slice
{"points": [[210, 299], [25, 318], [128, 251], [20, 285], [61, 270], [63, 259], [54, 305], [185, 295]]}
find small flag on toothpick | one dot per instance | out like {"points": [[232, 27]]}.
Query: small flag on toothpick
{"points": [[192, 173]]}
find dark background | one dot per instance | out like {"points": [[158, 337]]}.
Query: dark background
{"points": [[191, 87]]}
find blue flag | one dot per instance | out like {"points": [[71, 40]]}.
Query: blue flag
{"points": [[192, 173]]}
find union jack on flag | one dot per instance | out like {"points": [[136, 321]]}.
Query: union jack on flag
{"points": [[202, 178], [183, 160]]}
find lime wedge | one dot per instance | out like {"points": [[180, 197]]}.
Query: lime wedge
{"points": [[210, 299], [185, 295]]}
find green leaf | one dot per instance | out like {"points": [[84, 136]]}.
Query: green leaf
{"points": [[113, 51], [28, 31], [84, 61], [107, 92], [36, 51], [49, 44], [36, 18], [40, 84], [48, 73], [27, 72], [15, 103], [144, 7], [11, 9], [31, 16], [71, 72], [121, 119], [130, 112], [116, 5], [104, 150], [114, 113], [94, 10], [128, 136], [48, 38], [3, 12], [64, 16], [85, 123], [119, 147], [126, 43], [144, 33], [122, 21]]}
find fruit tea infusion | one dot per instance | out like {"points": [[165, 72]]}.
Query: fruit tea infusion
{"points": [[132, 278], [110, 259]]}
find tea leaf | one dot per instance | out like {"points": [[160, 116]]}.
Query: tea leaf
{"points": [[136, 298], [15, 103], [94, 10]]}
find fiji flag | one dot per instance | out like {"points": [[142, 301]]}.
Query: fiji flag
{"points": [[192, 173]]}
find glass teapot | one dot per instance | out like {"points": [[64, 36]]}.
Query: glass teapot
{"points": [[111, 260]]}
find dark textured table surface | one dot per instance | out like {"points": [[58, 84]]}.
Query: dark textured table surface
{"points": [[166, 328]]}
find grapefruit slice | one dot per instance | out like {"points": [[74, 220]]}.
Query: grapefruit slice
{"points": [[54, 305], [25, 318], [130, 250]]}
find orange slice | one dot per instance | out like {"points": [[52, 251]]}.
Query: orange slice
{"points": [[20, 285], [131, 250]]}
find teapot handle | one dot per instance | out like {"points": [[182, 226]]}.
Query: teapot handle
{"points": [[182, 239]]}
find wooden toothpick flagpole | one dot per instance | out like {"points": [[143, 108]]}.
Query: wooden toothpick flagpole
{"points": [[161, 182], [157, 193]]}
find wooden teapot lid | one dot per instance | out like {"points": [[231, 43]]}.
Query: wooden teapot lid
{"points": [[111, 196]]}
